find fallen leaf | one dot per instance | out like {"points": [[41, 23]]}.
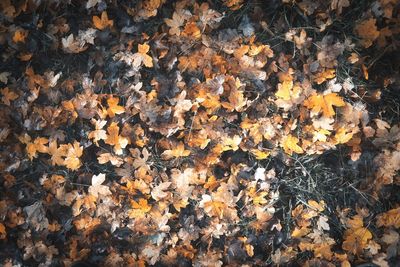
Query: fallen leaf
{"points": [[97, 189], [102, 22], [324, 103]]}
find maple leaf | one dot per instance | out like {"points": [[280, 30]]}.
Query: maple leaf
{"points": [[236, 99], [233, 4], [38, 145], [324, 103], [139, 209], [325, 75], [57, 153], [192, 30], [289, 144], [113, 107], [176, 22], [356, 240], [8, 96], [74, 152], [20, 36], [3, 233], [108, 157], [98, 134], [103, 22], [338, 5], [114, 139], [143, 49], [158, 192], [389, 218], [231, 143], [97, 189], [177, 152], [343, 135], [284, 90], [86, 222], [368, 32]]}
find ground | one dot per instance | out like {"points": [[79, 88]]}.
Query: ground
{"points": [[204, 133]]}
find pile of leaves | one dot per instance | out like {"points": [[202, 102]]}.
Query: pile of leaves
{"points": [[204, 133]]}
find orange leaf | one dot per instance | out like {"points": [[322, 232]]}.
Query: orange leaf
{"points": [[8, 96], [37, 146], [325, 75], [368, 32], [324, 103], [390, 218], [3, 232], [139, 209], [143, 49], [103, 22], [113, 107], [114, 139], [20, 36], [356, 240]]}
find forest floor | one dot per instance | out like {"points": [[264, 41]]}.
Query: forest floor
{"points": [[199, 133]]}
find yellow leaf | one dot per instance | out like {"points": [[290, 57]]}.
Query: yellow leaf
{"points": [[229, 143], [284, 90], [356, 240], [300, 232], [260, 155], [177, 152], [139, 209], [324, 103], [342, 136], [289, 144], [103, 22], [98, 134], [317, 206]]}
